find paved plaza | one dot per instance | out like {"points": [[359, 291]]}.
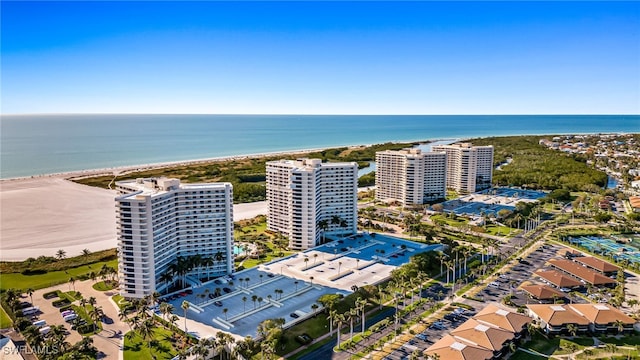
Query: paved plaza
{"points": [[491, 201], [290, 286]]}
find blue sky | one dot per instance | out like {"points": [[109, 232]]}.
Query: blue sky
{"points": [[321, 58]]}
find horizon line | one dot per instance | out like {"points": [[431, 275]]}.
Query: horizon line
{"points": [[317, 114]]}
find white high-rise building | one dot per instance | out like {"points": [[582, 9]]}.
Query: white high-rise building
{"points": [[159, 220], [410, 176], [307, 198], [469, 168]]}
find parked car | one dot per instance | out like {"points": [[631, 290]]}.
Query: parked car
{"points": [[217, 303], [294, 315]]}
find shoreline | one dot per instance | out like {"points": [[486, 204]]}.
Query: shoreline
{"points": [[118, 170]]}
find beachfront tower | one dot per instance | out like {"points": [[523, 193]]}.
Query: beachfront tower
{"points": [[469, 168], [410, 176], [159, 220], [307, 199]]}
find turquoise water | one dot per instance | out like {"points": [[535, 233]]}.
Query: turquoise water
{"points": [[237, 250], [43, 144]]}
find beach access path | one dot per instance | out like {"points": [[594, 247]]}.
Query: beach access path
{"points": [[40, 215]]}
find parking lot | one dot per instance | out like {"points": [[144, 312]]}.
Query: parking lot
{"points": [[507, 283]]}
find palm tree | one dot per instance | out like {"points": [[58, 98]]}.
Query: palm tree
{"points": [[323, 225], [352, 314], [572, 329], [306, 262], [296, 284], [260, 299], [254, 298], [619, 325], [185, 307], [86, 252], [61, 254], [225, 311], [314, 309], [208, 262], [339, 266], [145, 329], [315, 257], [339, 319], [361, 304], [96, 314], [311, 280], [244, 304], [72, 281], [331, 318], [261, 278], [30, 293]]}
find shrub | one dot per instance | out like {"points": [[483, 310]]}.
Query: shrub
{"points": [[50, 295], [61, 303], [33, 272], [85, 329], [304, 339]]}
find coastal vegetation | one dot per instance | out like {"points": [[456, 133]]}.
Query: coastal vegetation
{"points": [[246, 174], [45, 271], [528, 164]]}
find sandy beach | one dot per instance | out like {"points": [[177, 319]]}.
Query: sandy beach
{"points": [[40, 215]]}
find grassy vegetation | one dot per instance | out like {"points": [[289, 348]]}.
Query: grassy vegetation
{"points": [[521, 355], [135, 347], [40, 281], [456, 221], [314, 327], [104, 286], [312, 348], [48, 263], [5, 321], [120, 301], [270, 246], [537, 167], [246, 175], [500, 230]]}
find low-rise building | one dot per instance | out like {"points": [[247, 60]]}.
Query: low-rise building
{"points": [[582, 272], [455, 348], [558, 279], [487, 335], [601, 266], [555, 319], [605, 318], [596, 318], [543, 293]]}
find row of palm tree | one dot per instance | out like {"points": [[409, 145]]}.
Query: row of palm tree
{"points": [[182, 266]]}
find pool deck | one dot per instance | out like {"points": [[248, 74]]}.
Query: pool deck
{"points": [[291, 285]]}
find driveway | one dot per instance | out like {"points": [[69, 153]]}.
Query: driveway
{"points": [[109, 340]]}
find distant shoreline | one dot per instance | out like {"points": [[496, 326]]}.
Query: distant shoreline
{"points": [[114, 171]]}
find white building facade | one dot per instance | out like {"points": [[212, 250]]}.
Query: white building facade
{"points": [[469, 168], [160, 219], [410, 176], [308, 199]]}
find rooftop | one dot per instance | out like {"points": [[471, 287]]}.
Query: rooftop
{"points": [[595, 263], [542, 292], [557, 278], [581, 272], [454, 348], [557, 315], [502, 318]]}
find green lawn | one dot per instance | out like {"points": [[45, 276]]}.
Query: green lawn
{"points": [[135, 348], [314, 327], [521, 355], [40, 281], [5, 321], [102, 286], [445, 219], [500, 230], [120, 301]]}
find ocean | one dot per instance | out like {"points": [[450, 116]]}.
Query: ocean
{"points": [[44, 144]]}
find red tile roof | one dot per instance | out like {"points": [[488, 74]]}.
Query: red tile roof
{"points": [[581, 272], [543, 292], [597, 264], [557, 278]]}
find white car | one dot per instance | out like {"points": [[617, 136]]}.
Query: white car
{"points": [[565, 290]]}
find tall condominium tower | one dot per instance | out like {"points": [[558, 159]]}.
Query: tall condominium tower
{"points": [[159, 220], [307, 198], [469, 168], [410, 176]]}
